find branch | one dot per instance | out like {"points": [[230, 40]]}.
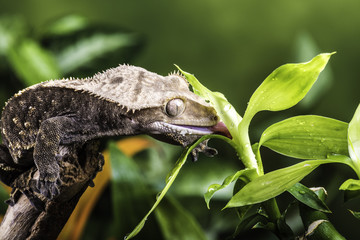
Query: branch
{"points": [[79, 165]]}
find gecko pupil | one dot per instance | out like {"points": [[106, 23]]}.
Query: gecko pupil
{"points": [[175, 107]]}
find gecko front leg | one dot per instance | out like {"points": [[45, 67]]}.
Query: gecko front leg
{"points": [[48, 139]]}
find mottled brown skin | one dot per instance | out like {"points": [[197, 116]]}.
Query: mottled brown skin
{"points": [[126, 100]]}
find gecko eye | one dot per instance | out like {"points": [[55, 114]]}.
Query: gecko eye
{"points": [[175, 107]]}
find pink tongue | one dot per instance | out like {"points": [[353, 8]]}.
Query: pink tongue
{"points": [[221, 129]]}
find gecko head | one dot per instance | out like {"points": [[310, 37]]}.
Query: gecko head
{"points": [[182, 118]]}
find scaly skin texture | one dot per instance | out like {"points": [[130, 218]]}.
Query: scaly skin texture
{"points": [[126, 100]]}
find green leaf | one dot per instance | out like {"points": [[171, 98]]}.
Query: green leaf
{"points": [[349, 195], [250, 222], [274, 183], [32, 63], [224, 109], [244, 211], [351, 185], [285, 232], [308, 197], [320, 192], [341, 159], [12, 28], [128, 191], [189, 184], [355, 214], [177, 223], [307, 137], [169, 181], [92, 47], [245, 173], [4, 195], [66, 25], [271, 184], [286, 86], [354, 139]]}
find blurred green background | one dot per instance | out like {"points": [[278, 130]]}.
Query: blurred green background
{"points": [[230, 45]]}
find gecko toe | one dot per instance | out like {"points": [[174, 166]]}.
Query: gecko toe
{"points": [[48, 186], [204, 148]]}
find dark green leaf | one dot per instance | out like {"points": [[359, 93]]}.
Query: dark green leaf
{"points": [[308, 197], [285, 231], [177, 223], [169, 181], [128, 192], [191, 183], [123, 168], [243, 211], [307, 137], [250, 222], [320, 192], [246, 173], [355, 214], [349, 195], [4, 195]]}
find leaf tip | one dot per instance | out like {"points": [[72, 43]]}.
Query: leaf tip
{"points": [[186, 74], [326, 56], [228, 205]]}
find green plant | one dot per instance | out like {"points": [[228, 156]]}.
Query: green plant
{"points": [[315, 139]]}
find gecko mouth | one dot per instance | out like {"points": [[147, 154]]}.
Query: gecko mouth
{"points": [[186, 134], [218, 128]]}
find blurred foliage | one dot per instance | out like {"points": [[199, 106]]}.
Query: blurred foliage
{"points": [[74, 227], [4, 194], [231, 45]]}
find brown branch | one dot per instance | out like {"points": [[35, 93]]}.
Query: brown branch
{"points": [[79, 166]]}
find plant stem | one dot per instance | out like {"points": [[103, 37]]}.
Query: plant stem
{"points": [[272, 209], [245, 151], [250, 161]]}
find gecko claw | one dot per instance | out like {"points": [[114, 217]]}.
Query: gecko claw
{"points": [[48, 187], [204, 148]]}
